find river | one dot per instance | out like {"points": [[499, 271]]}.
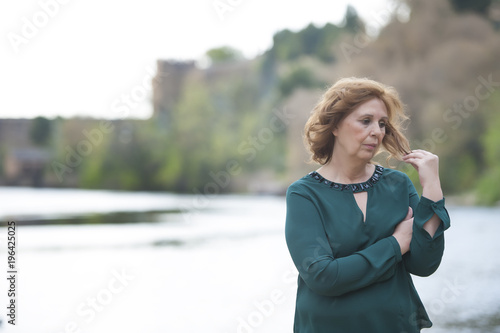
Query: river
{"points": [[188, 263]]}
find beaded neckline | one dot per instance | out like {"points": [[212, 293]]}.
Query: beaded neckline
{"points": [[358, 187]]}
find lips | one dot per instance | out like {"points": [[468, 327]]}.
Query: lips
{"points": [[371, 145]]}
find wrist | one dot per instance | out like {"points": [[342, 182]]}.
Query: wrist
{"points": [[433, 191]]}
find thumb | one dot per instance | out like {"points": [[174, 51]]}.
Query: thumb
{"points": [[410, 214]]}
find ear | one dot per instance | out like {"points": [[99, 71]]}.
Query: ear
{"points": [[335, 131]]}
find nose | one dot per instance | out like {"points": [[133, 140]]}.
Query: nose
{"points": [[376, 130]]}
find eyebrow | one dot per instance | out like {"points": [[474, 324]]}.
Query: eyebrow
{"points": [[370, 115]]}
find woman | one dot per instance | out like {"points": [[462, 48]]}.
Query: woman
{"points": [[356, 230]]}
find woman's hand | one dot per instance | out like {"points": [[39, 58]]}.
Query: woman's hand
{"points": [[427, 166], [404, 232]]}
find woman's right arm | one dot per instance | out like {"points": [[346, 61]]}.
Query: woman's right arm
{"points": [[312, 255], [404, 232]]}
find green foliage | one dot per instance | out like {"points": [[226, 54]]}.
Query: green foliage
{"points": [[352, 22], [40, 132], [194, 123], [491, 138], [128, 158], [478, 6], [488, 189], [286, 45], [227, 116], [210, 126], [311, 41], [298, 77], [223, 54], [458, 172], [329, 37]]}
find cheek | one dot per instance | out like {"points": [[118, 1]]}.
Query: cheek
{"points": [[381, 138], [357, 129]]}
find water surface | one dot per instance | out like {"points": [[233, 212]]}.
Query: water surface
{"points": [[203, 264]]}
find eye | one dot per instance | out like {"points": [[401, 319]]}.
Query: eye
{"points": [[366, 121], [382, 124]]}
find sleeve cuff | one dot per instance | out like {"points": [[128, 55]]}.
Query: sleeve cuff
{"points": [[426, 209], [397, 248]]}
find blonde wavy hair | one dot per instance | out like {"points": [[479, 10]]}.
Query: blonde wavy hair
{"points": [[338, 102]]}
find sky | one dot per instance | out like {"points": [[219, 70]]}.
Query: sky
{"points": [[83, 58]]}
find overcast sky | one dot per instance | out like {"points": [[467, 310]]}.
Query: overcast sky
{"points": [[74, 57]]}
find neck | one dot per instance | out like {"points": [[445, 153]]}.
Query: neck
{"points": [[346, 171]]}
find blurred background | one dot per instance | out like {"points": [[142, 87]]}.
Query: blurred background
{"points": [[145, 148]]}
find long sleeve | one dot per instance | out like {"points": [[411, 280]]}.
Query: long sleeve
{"points": [[425, 251], [311, 253]]}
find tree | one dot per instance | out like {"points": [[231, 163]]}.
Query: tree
{"points": [[298, 77], [487, 189], [478, 6], [128, 158], [40, 131], [352, 22], [223, 54], [286, 45]]}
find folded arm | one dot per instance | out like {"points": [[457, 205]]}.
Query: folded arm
{"points": [[312, 255], [430, 221]]}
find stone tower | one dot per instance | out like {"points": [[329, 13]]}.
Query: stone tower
{"points": [[168, 85]]}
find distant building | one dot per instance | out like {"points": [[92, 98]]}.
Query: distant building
{"points": [[15, 132], [172, 76], [25, 166], [168, 85], [21, 162]]}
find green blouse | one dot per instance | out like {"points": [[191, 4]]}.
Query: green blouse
{"points": [[352, 277]]}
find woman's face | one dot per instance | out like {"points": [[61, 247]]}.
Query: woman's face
{"points": [[360, 134]]}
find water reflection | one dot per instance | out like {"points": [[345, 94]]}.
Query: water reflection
{"points": [[94, 218]]}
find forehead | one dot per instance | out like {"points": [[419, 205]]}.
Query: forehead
{"points": [[374, 107]]}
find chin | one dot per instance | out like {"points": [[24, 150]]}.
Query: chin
{"points": [[367, 156]]}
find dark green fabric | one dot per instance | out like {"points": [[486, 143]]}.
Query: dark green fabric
{"points": [[352, 277]]}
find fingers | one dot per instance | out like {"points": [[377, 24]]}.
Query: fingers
{"points": [[413, 161], [410, 213], [418, 157], [415, 154], [419, 153]]}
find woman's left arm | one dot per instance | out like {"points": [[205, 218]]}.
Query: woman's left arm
{"points": [[430, 218]]}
